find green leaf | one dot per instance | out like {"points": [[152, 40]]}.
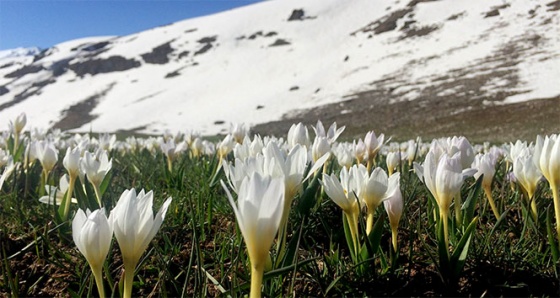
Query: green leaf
{"points": [[460, 252], [470, 203], [551, 235], [348, 236], [373, 239], [289, 256], [105, 183], [443, 251], [308, 198]]}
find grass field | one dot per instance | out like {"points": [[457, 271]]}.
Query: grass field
{"points": [[200, 250]]}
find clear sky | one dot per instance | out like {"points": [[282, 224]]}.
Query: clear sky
{"points": [[44, 23]]}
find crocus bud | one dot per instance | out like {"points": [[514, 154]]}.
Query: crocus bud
{"points": [[71, 161], [92, 234]]}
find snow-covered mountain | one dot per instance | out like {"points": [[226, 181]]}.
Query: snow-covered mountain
{"points": [[270, 60]]}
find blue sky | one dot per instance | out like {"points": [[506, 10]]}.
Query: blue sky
{"points": [[44, 23]]}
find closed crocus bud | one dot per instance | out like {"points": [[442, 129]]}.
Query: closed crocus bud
{"points": [[373, 192], [320, 147], [343, 193], [47, 155], [548, 153], [258, 212], [298, 134], [411, 151], [19, 123], [71, 161], [528, 175], [92, 234], [485, 164], [344, 155], [393, 161], [462, 145], [394, 205], [135, 226], [225, 146], [96, 168], [238, 131], [373, 143], [360, 151]]}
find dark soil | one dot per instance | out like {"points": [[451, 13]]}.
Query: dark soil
{"points": [[80, 113], [97, 66], [159, 54]]}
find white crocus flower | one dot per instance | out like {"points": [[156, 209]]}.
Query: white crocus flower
{"points": [[320, 147], [372, 191], [238, 131], [547, 152], [92, 234], [134, 225], [331, 135], [443, 178], [528, 176], [373, 145], [393, 161], [10, 167], [344, 155], [394, 205], [96, 168], [56, 194], [298, 134], [343, 192], [258, 212], [47, 155], [485, 164]]}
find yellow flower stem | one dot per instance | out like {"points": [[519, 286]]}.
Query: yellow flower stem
{"points": [[556, 199], [394, 235], [129, 268], [458, 213], [534, 210], [70, 190], [97, 274], [369, 222], [443, 217], [169, 164], [257, 273], [353, 225], [369, 162], [488, 192]]}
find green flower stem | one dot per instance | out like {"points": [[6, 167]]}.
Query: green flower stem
{"points": [[97, 194], [257, 273]]}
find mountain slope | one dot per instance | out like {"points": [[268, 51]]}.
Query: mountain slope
{"points": [[277, 59]]}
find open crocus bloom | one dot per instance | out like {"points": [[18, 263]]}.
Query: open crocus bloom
{"points": [[57, 194]]}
